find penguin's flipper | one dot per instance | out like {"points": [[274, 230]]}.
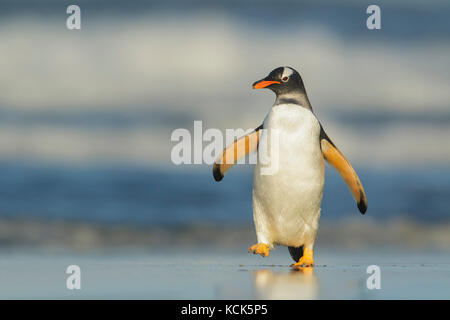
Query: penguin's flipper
{"points": [[230, 155], [334, 157]]}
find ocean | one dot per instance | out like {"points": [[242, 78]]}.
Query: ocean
{"points": [[145, 196], [86, 116]]}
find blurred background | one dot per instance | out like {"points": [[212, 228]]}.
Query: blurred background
{"points": [[86, 118]]}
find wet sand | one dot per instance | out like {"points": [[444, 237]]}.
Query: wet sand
{"points": [[223, 273]]}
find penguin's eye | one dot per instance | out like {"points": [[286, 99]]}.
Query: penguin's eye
{"points": [[285, 79]]}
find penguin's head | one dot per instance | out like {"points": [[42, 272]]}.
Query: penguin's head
{"points": [[282, 80]]}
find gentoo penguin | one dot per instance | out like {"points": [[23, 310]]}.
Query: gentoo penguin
{"points": [[286, 202]]}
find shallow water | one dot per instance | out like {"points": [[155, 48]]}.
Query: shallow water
{"points": [[224, 274]]}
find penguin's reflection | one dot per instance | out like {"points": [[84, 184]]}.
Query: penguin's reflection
{"points": [[298, 284]]}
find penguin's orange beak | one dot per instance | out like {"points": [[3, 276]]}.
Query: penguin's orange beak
{"points": [[263, 83]]}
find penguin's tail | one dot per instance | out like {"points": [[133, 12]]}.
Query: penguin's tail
{"points": [[296, 252]]}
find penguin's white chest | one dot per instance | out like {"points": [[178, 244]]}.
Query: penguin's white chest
{"points": [[287, 190]]}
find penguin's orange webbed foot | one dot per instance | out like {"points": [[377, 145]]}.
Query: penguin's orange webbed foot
{"points": [[306, 260], [260, 248]]}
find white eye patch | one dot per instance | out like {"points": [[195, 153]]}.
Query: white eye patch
{"points": [[287, 72]]}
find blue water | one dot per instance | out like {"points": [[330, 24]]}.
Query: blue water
{"points": [[188, 195], [180, 195], [401, 20]]}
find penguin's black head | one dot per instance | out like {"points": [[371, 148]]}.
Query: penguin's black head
{"points": [[282, 80]]}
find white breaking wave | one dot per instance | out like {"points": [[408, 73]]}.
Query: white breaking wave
{"points": [[203, 65]]}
